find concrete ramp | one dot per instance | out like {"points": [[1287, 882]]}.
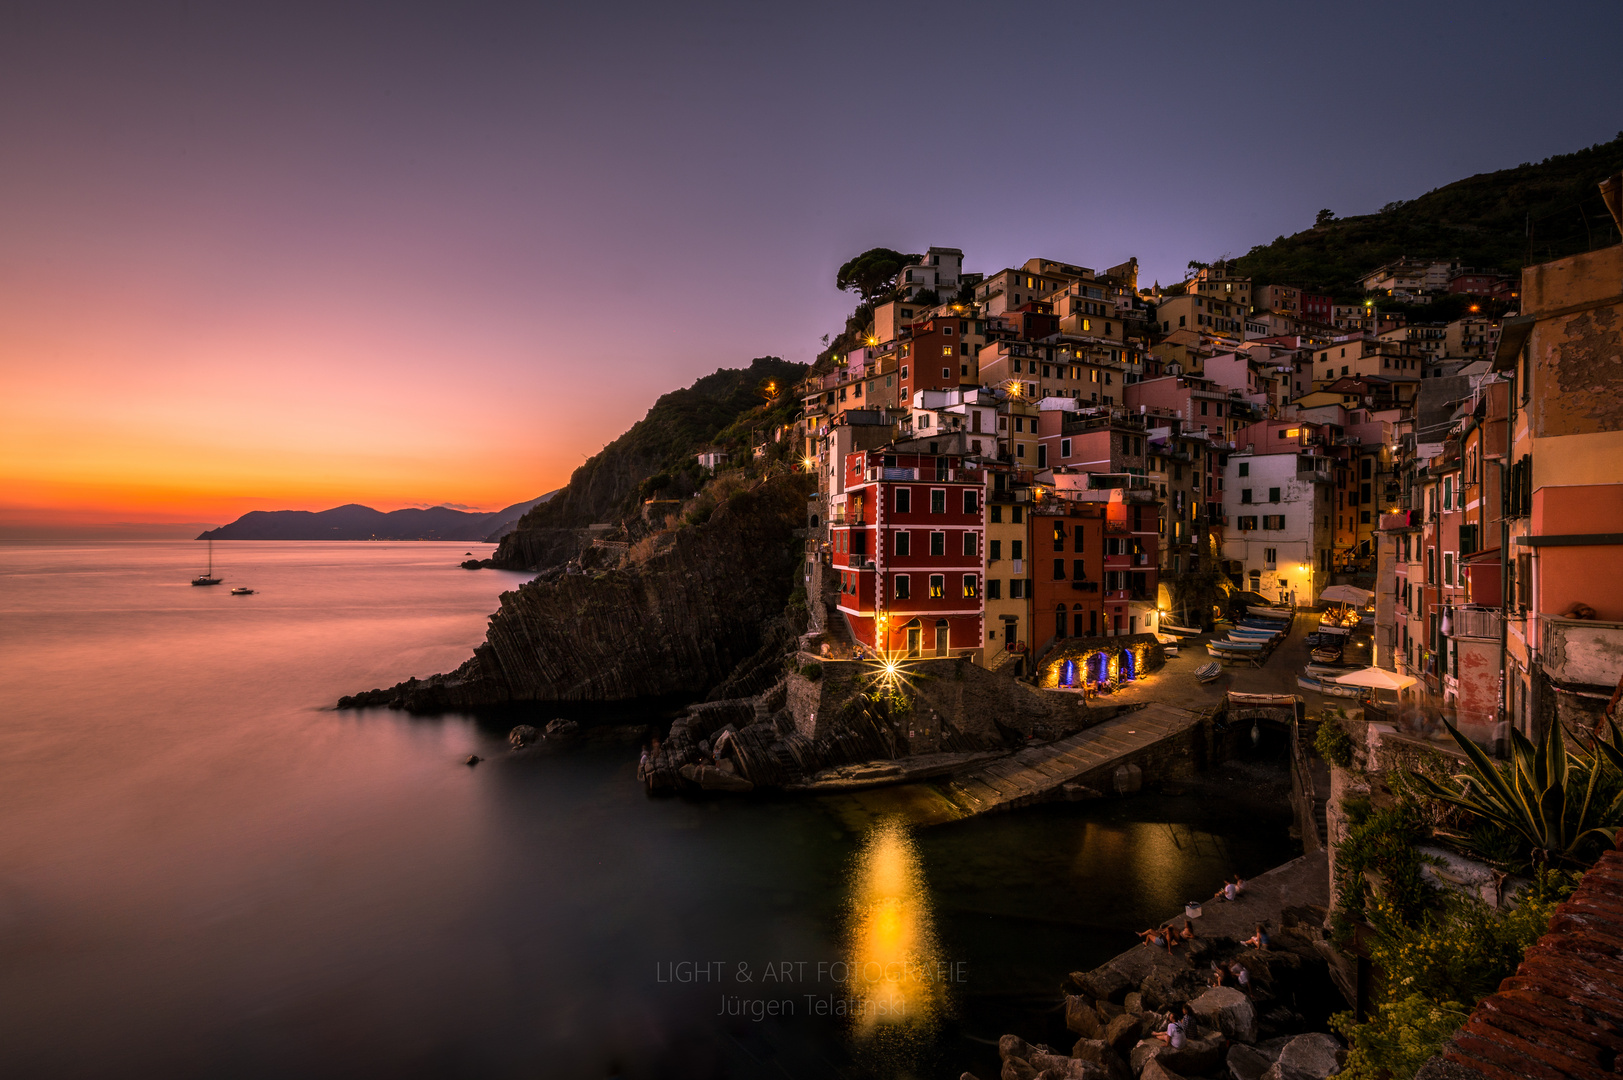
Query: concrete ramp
{"points": [[1035, 774]]}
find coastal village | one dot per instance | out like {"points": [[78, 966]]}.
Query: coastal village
{"points": [[1049, 534], [1067, 479]]}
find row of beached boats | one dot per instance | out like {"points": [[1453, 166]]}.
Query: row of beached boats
{"points": [[1254, 635]]}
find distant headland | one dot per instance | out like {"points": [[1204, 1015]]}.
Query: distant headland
{"points": [[356, 522]]}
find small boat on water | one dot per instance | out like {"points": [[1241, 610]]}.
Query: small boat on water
{"points": [[1183, 631], [207, 577], [241, 591], [1326, 655], [1270, 612]]}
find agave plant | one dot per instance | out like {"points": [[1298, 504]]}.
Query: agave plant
{"points": [[1543, 794]]}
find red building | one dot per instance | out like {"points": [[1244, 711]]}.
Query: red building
{"points": [[1093, 564], [908, 546], [1319, 309], [941, 354]]}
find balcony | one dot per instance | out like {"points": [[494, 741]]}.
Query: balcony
{"points": [[1085, 586], [1473, 622], [1582, 651], [842, 518]]}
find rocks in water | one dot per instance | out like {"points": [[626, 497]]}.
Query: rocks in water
{"points": [[1196, 1057], [562, 729], [711, 778], [473, 759], [1103, 984], [1313, 1056], [1226, 1009], [1250, 1062], [1154, 1070], [471, 564], [1097, 1052], [1123, 1032], [1081, 1018], [522, 736]]}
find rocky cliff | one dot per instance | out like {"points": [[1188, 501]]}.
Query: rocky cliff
{"points": [[675, 619], [654, 456]]}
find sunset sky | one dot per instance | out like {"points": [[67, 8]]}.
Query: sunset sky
{"points": [[292, 256]]}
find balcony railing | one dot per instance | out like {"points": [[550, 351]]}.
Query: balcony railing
{"points": [[1476, 623]]}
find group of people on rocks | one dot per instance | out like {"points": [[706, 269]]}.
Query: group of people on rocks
{"points": [[1180, 1026]]}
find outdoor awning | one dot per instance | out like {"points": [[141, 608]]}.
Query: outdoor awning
{"points": [[1377, 678], [1346, 594]]}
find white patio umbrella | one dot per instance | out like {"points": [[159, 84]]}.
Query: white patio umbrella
{"points": [[1346, 594], [1377, 679]]}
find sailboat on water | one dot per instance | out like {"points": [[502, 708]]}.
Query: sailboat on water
{"points": [[208, 578]]}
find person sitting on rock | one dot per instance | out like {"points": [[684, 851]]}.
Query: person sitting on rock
{"points": [[1173, 1035], [1228, 892], [1188, 931], [1259, 940], [1158, 938], [1242, 976], [642, 765], [1239, 885], [1216, 977]]}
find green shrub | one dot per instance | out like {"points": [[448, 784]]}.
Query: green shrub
{"points": [[1435, 969], [1385, 842], [1334, 744], [812, 672]]}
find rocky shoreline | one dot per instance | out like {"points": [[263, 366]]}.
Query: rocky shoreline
{"points": [[1267, 1031]]}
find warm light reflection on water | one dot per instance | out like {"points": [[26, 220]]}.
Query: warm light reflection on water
{"points": [[898, 979]]}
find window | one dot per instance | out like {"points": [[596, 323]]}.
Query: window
{"points": [[1042, 455], [938, 586], [1448, 568], [904, 543], [1059, 569], [994, 589], [1016, 549], [1273, 495], [1079, 572], [1363, 517], [902, 587], [938, 500], [1065, 448], [1273, 521], [938, 543], [1019, 515], [1248, 524], [971, 503], [996, 514], [969, 545], [1076, 538], [1270, 556], [904, 500], [994, 550], [971, 586], [1017, 589], [1245, 468], [1059, 536], [1245, 495]]}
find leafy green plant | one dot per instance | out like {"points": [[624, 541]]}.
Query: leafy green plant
{"points": [[1333, 743], [1544, 795], [1385, 843], [1435, 969], [812, 672]]}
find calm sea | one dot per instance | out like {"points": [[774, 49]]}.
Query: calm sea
{"points": [[205, 871]]}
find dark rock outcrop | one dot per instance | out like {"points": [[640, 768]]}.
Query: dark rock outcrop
{"points": [[678, 624]]}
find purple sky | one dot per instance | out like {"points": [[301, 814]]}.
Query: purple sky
{"points": [[525, 223]]}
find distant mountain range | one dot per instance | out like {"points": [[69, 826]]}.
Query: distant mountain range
{"points": [[356, 522]]}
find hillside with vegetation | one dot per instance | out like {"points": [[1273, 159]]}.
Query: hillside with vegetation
{"points": [[1500, 220], [732, 408]]}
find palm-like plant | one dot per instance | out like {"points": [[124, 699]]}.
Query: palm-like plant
{"points": [[1543, 794]]}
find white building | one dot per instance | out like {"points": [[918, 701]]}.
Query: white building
{"points": [[1277, 527]]}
